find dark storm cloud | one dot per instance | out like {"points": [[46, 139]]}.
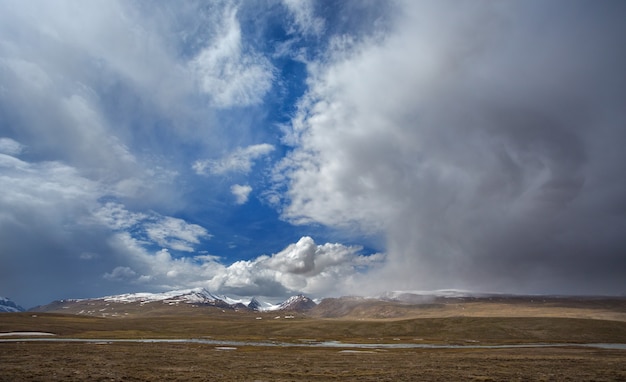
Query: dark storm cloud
{"points": [[483, 139]]}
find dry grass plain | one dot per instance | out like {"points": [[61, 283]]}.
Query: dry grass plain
{"points": [[518, 323], [186, 362]]}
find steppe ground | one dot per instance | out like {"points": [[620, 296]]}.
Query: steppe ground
{"points": [[490, 323], [187, 362]]}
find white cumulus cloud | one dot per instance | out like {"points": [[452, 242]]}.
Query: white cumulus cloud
{"points": [[329, 269], [304, 267]]}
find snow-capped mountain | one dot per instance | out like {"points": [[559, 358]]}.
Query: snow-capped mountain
{"points": [[201, 296], [198, 297], [8, 306], [297, 303], [254, 304], [189, 296]]}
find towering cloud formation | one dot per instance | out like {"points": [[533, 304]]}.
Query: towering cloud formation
{"points": [[304, 266], [483, 139]]}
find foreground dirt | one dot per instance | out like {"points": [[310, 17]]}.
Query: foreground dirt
{"points": [[194, 362]]}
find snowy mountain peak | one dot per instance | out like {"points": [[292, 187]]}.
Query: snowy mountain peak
{"points": [[188, 296], [8, 306], [254, 304], [298, 303]]}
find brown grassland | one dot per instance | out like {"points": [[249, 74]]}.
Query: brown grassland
{"points": [[187, 362], [517, 324]]}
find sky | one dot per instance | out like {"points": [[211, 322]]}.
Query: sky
{"points": [[270, 148]]}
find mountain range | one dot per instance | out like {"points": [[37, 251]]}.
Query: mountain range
{"points": [[389, 305], [179, 300]]}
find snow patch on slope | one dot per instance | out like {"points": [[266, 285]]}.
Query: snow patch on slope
{"points": [[190, 296], [8, 306]]}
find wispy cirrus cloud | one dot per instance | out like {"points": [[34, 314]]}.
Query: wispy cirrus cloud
{"points": [[10, 146], [240, 160], [227, 71], [165, 231], [304, 16]]}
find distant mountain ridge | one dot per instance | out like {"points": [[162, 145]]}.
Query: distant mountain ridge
{"points": [[8, 306], [388, 305], [199, 297], [189, 296]]}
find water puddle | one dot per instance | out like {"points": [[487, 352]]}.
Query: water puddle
{"points": [[25, 334]]}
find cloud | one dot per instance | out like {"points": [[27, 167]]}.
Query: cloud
{"points": [[117, 217], [165, 231], [82, 74], [10, 147], [240, 160], [241, 192], [175, 233], [303, 13], [139, 266], [116, 88], [483, 141], [48, 187], [302, 267], [53, 222], [42, 205], [229, 72], [470, 136], [120, 273]]}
